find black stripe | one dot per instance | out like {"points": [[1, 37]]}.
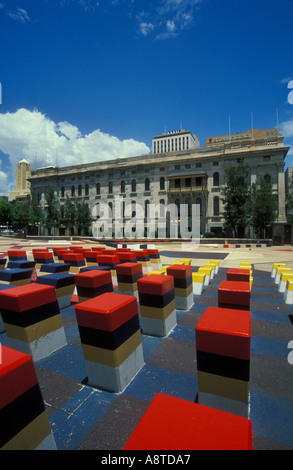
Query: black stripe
{"points": [[95, 268], [18, 414], [94, 291], [182, 283], [223, 365], [129, 278], [109, 339], [233, 306], [160, 301], [32, 316]]}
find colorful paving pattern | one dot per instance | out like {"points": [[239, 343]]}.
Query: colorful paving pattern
{"points": [[85, 418]]}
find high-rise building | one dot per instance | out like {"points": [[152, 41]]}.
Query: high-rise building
{"points": [[22, 183]]}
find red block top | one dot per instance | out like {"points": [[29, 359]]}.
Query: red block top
{"points": [[123, 250], [129, 268], [152, 251], [111, 259], [180, 271], [17, 374], [43, 254], [16, 253], [127, 256], [224, 331], [141, 253], [238, 271], [234, 286], [93, 278], [172, 423], [107, 311], [156, 284], [98, 248], [22, 298], [73, 257]]}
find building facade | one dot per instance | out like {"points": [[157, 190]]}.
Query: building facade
{"points": [[22, 183], [192, 175]]}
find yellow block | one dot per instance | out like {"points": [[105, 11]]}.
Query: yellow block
{"points": [[198, 277], [186, 261], [245, 263], [250, 281], [289, 285], [215, 261], [279, 265], [154, 272], [287, 276], [282, 270], [164, 269], [205, 269]]}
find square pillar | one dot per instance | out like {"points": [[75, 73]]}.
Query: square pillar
{"points": [[142, 257], [24, 421], [64, 285], [239, 275], [15, 276], [234, 294], [111, 340], [76, 261], [222, 338], [32, 320], [182, 285], [157, 304], [92, 283], [155, 258]]}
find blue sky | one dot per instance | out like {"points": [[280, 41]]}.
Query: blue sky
{"points": [[86, 80]]}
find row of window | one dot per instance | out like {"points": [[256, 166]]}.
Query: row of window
{"points": [[171, 144]]}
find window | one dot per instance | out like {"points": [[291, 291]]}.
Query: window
{"points": [[198, 165], [133, 186], [177, 183], [98, 189], [162, 208], [266, 158], [177, 203], [133, 207], [62, 191], [198, 181], [72, 191], [215, 163], [79, 190], [267, 178], [199, 202], [122, 186], [188, 203], [146, 204], [162, 183], [216, 179], [147, 184], [86, 191], [110, 187], [216, 206], [187, 182]]}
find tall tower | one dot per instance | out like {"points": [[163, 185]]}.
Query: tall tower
{"points": [[22, 185]]}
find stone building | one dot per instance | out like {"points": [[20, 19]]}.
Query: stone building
{"points": [[191, 174], [22, 183]]}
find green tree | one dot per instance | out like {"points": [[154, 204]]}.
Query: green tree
{"points": [[263, 206], [52, 210], [69, 213], [83, 219], [5, 212], [20, 215], [36, 212], [289, 202], [236, 199]]}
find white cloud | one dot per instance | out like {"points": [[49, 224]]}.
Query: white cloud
{"points": [[32, 135], [20, 15], [146, 28], [286, 129]]}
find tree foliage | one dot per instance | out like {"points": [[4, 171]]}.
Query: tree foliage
{"points": [[263, 206]]}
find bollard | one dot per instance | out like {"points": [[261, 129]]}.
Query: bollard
{"points": [[32, 320], [239, 275], [142, 257], [111, 340], [222, 338], [24, 421], [112, 261], [207, 272], [233, 294], [76, 261], [63, 284], [16, 255], [157, 304], [198, 280], [15, 276], [53, 268], [155, 258], [171, 423], [92, 283], [183, 288]]}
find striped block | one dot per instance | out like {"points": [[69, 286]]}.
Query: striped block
{"points": [[15, 276], [43, 257], [235, 295], [207, 272], [283, 282], [111, 340], [53, 268], [112, 261], [183, 287], [127, 277], [288, 294], [216, 263], [91, 258], [143, 258], [16, 255], [222, 338], [3, 262], [76, 261], [23, 264], [172, 423], [2, 287], [239, 275], [32, 320], [279, 272], [92, 283], [274, 269], [212, 267], [157, 304], [126, 257], [24, 420], [59, 253], [155, 258], [198, 283], [64, 285]]}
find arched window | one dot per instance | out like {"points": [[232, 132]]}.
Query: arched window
{"points": [[146, 204], [122, 186], [79, 190], [133, 208], [162, 207], [133, 186], [199, 202], [216, 206], [86, 190], [267, 178], [188, 203], [162, 183], [216, 179], [110, 187], [147, 184], [98, 189], [72, 191]]}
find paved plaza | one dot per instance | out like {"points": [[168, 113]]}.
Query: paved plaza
{"points": [[86, 418]]}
